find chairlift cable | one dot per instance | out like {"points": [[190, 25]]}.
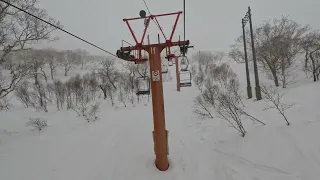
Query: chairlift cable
{"points": [[184, 25], [59, 28], [126, 42], [155, 21], [184, 30], [147, 6], [145, 3]]}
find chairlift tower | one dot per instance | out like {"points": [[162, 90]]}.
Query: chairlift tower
{"points": [[160, 134]]}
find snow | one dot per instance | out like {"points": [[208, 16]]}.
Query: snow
{"points": [[119, 146]]}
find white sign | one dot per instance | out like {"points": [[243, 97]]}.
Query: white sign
{"points": [[153, 50], [155, 75]]}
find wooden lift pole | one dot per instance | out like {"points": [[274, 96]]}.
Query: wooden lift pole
{"points": [[160, 134]]}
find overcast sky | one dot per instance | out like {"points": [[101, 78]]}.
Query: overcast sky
{"points": [[210, 24]]}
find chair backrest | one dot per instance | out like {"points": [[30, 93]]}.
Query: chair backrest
{"points": [[143, 84]]}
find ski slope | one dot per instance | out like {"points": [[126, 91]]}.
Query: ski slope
{"points": [[120, 147]]}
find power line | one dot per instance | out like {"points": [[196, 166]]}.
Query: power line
{"points": [[59, 28], [184, 26]]}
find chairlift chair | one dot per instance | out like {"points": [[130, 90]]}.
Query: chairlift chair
{"points": [[184, 64], [126, 55], [169, 57], [138, 61], [185, 79], [143, 86], [184, 49], [164, 69]]}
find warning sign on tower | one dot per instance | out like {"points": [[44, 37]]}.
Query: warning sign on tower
{"points": [[155, 76]]}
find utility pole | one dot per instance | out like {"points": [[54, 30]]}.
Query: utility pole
{"points": [[249, 89], [248, 17], [256, 75]]}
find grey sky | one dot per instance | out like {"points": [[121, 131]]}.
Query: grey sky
{"points": [[211, 25]]}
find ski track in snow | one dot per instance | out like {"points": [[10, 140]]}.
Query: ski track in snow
{"points": [[254, 165]]}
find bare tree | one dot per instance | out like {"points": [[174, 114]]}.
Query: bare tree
{"points": [[203, 63], [40, 97], [103, 85], [69, 87], [222, 74], [278, 44], [36, 60], [108, 75], [226, 78], [85, 106], [83, 57], [227, 108], [37, 123], [79, 89], [218, 56], [143, 69], [275, 97], [110, 91], [311, 46], [199, 79], [59, 90], [129, 79], [93, 84], [122, 92], [9, 81], [67, 60], [289, 45], [50, 57], [5, 104], [203, 106], [237, 49], [87, 111], [18, 30], [288, 75], [237, 53], [22, 92], [204, 59], [110, 71], [224, 98]]}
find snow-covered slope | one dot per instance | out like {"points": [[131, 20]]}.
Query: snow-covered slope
{"points": [[119, 146]]}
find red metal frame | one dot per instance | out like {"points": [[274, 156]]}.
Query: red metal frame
{"points": [[158, 15], [163, 45], [138, 61], [139, 44], [170, 56]]}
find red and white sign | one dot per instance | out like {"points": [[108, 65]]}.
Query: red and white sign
{"points": [[155, 75]]}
